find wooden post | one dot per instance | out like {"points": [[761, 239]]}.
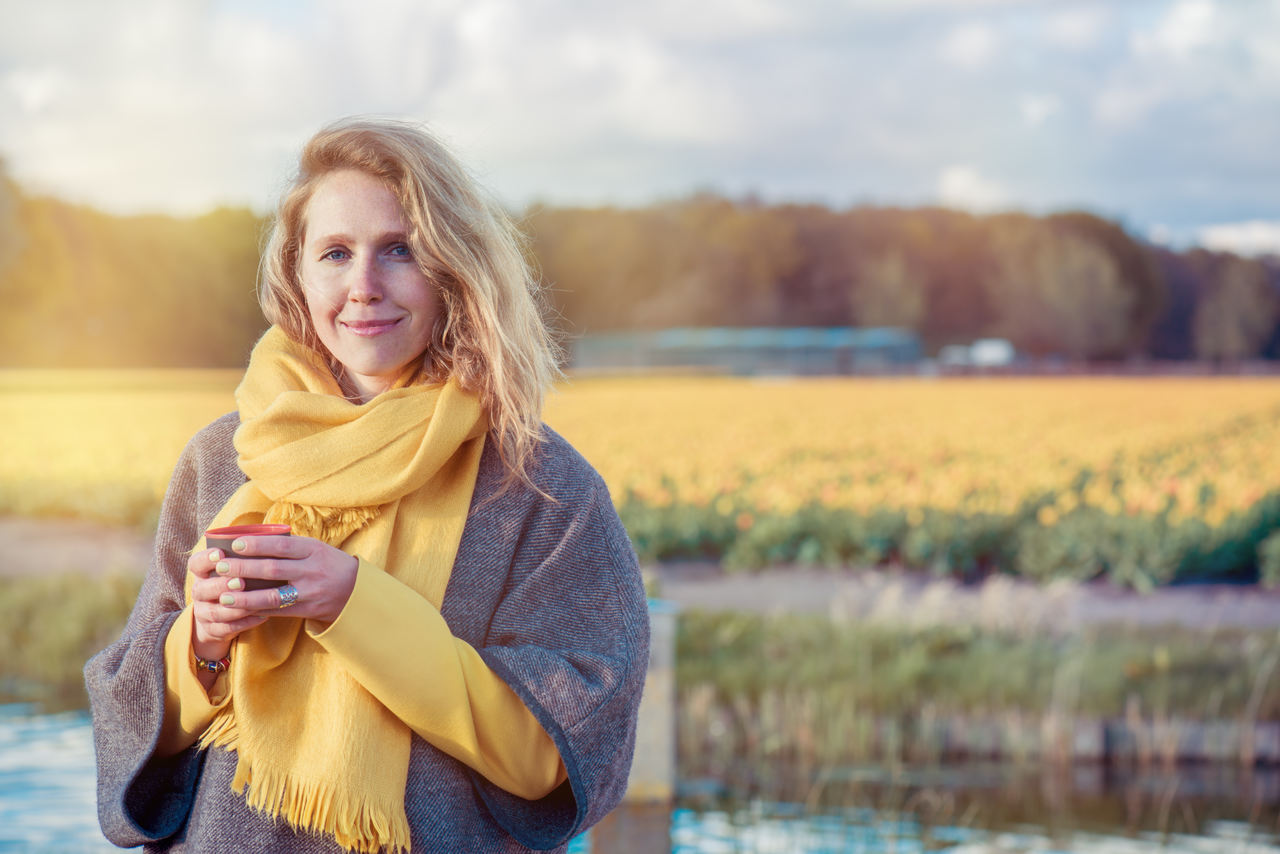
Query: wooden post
{"points": [[653, 771]]}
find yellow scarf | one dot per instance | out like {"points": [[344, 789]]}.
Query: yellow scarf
{"points": [[389, 481]]}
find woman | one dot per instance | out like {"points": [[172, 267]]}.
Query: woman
{"points": [[457, 657]]}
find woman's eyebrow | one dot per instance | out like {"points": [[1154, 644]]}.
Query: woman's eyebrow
{"points": [[343, 237], [329, 238]]}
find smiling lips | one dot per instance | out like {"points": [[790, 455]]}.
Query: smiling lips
{"points": [[369, 328]]}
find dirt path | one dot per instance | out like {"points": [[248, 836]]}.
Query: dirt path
{"points": [[916, 599], [35, 546]]}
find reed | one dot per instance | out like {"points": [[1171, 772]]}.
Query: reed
{"points": [[52, 625], [812, 692]]}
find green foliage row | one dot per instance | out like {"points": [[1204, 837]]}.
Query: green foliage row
{"points": [[1137, 551], [52, 625]]}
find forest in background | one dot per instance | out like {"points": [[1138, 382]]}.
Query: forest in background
{"points": [[87, 289]]}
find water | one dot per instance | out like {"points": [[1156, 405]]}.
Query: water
{"points": [[985, 808], [764, 831], [47, 806], [47, 777]]}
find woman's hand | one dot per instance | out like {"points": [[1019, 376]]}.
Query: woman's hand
{"points": [[215, 625], [323, 576]]}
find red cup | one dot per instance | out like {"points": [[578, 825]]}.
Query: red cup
{"points": [[222, 538]]}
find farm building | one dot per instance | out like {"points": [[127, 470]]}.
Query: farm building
{"points": [[750, 350]]}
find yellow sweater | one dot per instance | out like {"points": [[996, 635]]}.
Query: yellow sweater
{"points": [[438, 685]]}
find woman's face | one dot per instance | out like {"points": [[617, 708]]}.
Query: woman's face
{"points": [[369, 303]]}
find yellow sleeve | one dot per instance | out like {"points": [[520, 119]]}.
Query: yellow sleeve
{"points": [[398, 646], [188, 709]]}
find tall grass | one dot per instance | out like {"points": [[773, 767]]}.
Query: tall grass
{"points": [[808, 692], [812, 692], [51, 625]]}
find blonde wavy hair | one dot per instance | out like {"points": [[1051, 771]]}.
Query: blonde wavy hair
{"points": [[491, 334]]}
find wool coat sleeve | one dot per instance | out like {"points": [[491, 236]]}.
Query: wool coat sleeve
{"points": [[570, 635], [143, 797]]}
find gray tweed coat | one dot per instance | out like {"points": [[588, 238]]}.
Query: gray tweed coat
{"points": [[548, 592]]}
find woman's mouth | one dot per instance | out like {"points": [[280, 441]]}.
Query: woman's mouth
{"points": [[369, 328]]}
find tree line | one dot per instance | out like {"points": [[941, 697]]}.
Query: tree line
{"points": [[1073, 285], [84, 288]]}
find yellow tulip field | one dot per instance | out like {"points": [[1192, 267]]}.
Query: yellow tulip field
{"points": [[1144, 479], [957, 444]]}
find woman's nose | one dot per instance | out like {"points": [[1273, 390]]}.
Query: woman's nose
{"points": [[366, 282]]}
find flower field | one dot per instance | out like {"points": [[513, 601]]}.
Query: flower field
{"points": [[1141, 480], [100, 444]]}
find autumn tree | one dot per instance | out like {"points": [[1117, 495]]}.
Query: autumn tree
{"points": [[700, 262], [1170, 335], [817, 289], [1057, 293], [89, 289], [946, 252], [1237, 312], [10, 236], [888, 292], [734, 256], [1135, 266]]}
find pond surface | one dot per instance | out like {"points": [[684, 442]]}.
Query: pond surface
{"points": [[47, 797], [47, 806]]}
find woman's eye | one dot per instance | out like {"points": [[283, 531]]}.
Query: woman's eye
{"points": [[334, 255], [401, 250]]}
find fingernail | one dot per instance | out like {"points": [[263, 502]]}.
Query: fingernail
{"points": [[238, 546], [222, 567], [227, 599], [215, 555], [235, 584]]}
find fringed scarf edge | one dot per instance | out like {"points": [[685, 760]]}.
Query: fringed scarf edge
{"points": [[357, 824]]}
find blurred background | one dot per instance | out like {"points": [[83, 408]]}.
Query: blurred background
{"points": [[929, 349]]}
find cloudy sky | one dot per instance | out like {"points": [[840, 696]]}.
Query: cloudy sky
{"points": [[1163, 114]]}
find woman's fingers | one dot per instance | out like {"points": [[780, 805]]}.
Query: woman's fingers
{"points": [[221, 625], [202, 563], [221, 605], [322, 575], [270, 569], [262, 602], [265, 546]]}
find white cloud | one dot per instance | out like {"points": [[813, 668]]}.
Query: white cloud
{"points": [[1076, 29], [35, 88], [712, 21], [1127, 104], [1217, 59], [153, 105], [1036, 108], [1190, 25], [1161, 234], [1252, 237], [969, 45], [1174, 58], [963, 187]]}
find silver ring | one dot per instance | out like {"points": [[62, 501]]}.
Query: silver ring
{"points": [[288, 595]]}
